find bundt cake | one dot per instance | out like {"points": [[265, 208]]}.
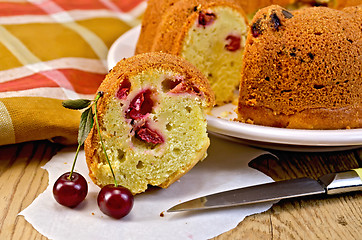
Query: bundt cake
{"points": [[208, 33], [303, 69], [152, 121]]}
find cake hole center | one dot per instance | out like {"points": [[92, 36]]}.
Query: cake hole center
{"points": [[169, 84], [121, 155], [139, 165]]}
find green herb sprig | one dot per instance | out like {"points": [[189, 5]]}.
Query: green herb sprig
{"points": [[86, 124]]}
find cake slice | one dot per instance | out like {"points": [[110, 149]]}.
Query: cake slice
{"points": [[152, 121], [209, 34]]}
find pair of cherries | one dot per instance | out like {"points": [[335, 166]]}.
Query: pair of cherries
{"points": [[71, 188], [114, 201]]}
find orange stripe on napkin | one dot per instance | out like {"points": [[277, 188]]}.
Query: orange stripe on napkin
{"points": [[127, 5], [26, 8], [19, 8], [79, 4], [82, 82]]}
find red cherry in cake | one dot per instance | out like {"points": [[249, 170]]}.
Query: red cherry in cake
{"points": [[233, 43], [146, 134], [140, 105], [70, 191], [123, 89], [206, 18], [114, 201]]}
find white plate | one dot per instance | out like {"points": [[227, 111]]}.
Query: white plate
{"points": [[220, 122]]}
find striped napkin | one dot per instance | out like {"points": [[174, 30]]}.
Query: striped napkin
{"points": [[52, 50]]}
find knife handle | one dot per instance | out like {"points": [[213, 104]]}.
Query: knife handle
{"points": [[342, 182]]}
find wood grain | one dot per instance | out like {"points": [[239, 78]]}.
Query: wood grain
{"points": [[21, 181], [316, 217], [333, 217]]}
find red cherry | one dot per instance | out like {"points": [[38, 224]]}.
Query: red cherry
{"points": [[114, 201], [70, 192], [141, 104], [206, 18], [145, 133], [124, 88], [233, 43]]}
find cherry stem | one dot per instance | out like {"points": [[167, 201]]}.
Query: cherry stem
{"points": [[75, 159], [100, 94]]}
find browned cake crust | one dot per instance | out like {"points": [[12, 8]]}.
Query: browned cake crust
{"points": [[193, 81], [151, 19], [251, 7], [303, 69]]}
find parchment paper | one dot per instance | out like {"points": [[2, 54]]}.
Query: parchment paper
{"points": [[226, 167]]}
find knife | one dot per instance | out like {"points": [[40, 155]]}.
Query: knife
{"points": [[332, 183]]}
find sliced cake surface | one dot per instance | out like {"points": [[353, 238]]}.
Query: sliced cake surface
{"points": [[152, 121]]}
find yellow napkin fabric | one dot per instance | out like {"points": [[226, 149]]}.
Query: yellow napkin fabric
{"points": [[51, 51]]}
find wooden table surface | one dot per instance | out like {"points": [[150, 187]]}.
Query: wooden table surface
{"points": [[331, 217]]}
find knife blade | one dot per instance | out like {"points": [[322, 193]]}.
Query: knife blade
{"points": [[332, 183]]}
